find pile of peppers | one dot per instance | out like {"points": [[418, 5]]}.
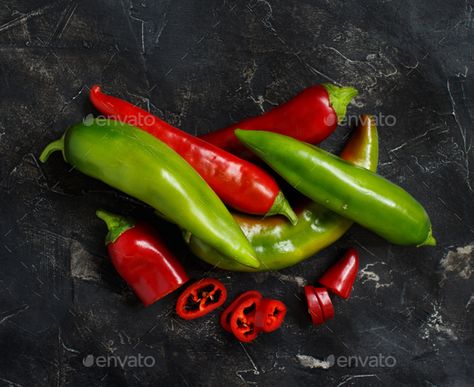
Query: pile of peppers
{"points": [[232, 212]]}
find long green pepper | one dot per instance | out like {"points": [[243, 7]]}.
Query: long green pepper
{"points": [[351, 191], [138, 164]]}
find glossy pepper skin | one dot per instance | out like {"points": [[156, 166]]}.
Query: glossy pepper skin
{"points": [[340, 277], [311, 116], [277, 243], [350, 191], [224, 318], [201, 298], [242, 320], [325, 302], [141, 258], [270, 315], [314, 307], [239, 183], [138, 164]]}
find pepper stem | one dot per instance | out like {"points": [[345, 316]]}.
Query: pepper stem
{"points": [[340, 98], [282, 207], [116, 225], [52, 147]]}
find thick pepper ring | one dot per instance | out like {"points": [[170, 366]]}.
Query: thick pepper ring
{"points": [[201, 298], [270, 315], [226, 314], [314, 307], [242, 320]]}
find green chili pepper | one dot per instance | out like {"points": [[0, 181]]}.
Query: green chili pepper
{"points": [[138, 164], [277, 243], [351, 191]]}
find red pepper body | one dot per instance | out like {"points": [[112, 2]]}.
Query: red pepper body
{"points": [[308, 117], [270, 315], [239, 183], [142, 259], [225, 315], [242, 320], [340, 277], [201, 298], [325, 302], [314, 307]]}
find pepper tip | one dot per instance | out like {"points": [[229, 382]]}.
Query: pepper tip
{"points": [[95, 89], [429, 241]]}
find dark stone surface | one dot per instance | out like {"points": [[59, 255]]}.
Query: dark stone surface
{"points": [[202, 65]]}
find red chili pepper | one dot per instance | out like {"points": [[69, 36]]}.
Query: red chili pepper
{"points": [[226, 314], [242, 320], [311, 116], [325, 302], [314, 308], [201, 298], [141, 258], [340, 277], [270, 315], [239, 183]]}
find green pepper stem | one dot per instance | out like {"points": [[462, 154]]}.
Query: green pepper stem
{"points": [[282, 207], [116, 225], [52, 147], [340, 98]]}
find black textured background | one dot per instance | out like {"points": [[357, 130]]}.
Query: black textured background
{"points": [[202, 65]]}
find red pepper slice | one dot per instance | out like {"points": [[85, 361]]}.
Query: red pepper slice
{"points": [[141, 258], [325, 302], [270, 315], [242, 319], [226, 314], [340, 277], [314, 308], [201, 298]]}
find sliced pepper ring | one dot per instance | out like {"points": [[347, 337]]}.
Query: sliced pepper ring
{"points": [[314, 307], [242, 319], [325, 302], [270, 315], [201, 298], [224, 318]]}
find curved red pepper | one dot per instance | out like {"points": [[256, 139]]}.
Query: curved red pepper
{"points": [[141, 258], [239, 183], [314, 307], [201, 298], [270, 315], [325, 302], [340, 277], [311, 116], [242, 320], [224, 318]]}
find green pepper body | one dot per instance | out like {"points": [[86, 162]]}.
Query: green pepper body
{"points": [[138, 164], [351, 191], [277, 243]]}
